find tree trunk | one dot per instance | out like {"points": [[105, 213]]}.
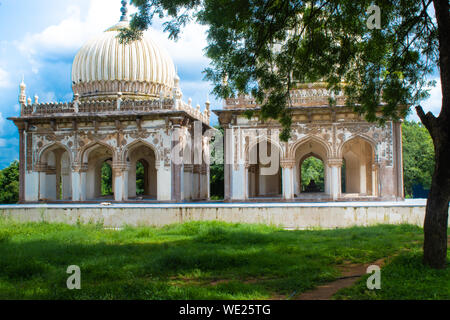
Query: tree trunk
{"points": [[436, 215]]}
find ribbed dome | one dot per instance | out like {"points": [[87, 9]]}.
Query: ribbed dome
{"points": [[104, 66]]}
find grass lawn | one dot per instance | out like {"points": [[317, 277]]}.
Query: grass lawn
{"points": [[404, 277], [197, 260]]}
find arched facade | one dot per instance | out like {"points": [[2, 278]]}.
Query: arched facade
{"points": [[263, 170], [127, 111], [143, 153], [54, 167], [303, 149], [361, 160]]}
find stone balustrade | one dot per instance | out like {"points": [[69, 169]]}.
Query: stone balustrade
{"points": [[303, 97], [109, 106]]}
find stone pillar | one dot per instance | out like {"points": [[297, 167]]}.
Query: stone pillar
{"points": [[335, 181], [287, 178], [398, 159], [362, 178], [207, 179], [204, 182], [21, 127], [239, 182], [76, 185], [196, 181], [327, 178], [66, 184], [120, 177], [177, 160], [83, 179], [375, 180], [224, 120], [79, 182], [188, 181], [42, 190], [164, 189]]}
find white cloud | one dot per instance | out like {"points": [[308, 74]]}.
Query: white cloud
{"points": [[433, 103], [4, 79], [188, 48], [61, 41]]}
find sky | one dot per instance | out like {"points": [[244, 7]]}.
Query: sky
{"points": [[39, 40]]}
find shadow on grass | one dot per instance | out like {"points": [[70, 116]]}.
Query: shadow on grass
{"points": [[184, 261]]}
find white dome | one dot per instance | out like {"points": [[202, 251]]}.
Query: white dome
{"points": [[104, 67]]}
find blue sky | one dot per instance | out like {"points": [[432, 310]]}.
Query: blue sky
{"points": [[39, 39]]}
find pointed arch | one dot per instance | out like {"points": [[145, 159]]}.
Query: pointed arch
{"points": [[52, 146], [84, 151], [310, 138], [359, 173], [137, 153], [135, 144], [249, 146], [354, 137]]}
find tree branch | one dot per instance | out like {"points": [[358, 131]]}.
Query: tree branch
{"points": [[428, 120]]}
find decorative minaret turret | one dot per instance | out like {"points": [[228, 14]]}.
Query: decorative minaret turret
{"points": [[207, 109], [23, 94], [177, 94]]}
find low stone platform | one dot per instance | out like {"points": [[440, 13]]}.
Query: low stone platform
{"points": [[286, 215]]}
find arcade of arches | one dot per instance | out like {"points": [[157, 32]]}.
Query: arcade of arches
{"points": [[323, 160]]}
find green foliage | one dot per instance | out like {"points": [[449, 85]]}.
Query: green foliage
{"points": [[418, 156], [106, 179], [312, 169], [266, 47], [140, 173], [184, 261], [9, 183]]}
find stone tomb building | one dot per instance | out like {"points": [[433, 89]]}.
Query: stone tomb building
{"points": [[128, 115], [127, 110], [361, 160]]}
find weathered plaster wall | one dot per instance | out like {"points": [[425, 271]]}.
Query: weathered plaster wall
{"points": [[288, 215]]}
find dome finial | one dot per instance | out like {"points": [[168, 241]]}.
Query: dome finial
{"points": [[124, 11]]}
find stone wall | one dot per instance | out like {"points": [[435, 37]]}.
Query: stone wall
{"points": [[287, 215]]}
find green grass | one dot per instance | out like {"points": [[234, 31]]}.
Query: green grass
{"points": [[197, 260], [404, 277]]}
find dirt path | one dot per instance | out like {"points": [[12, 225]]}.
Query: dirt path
{"points": [[350, 274]]}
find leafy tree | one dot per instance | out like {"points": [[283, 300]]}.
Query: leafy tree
{"points": [[140, 173], [312, 169], [264, 47], [9, 183], [106, 179], [418, 156]]}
